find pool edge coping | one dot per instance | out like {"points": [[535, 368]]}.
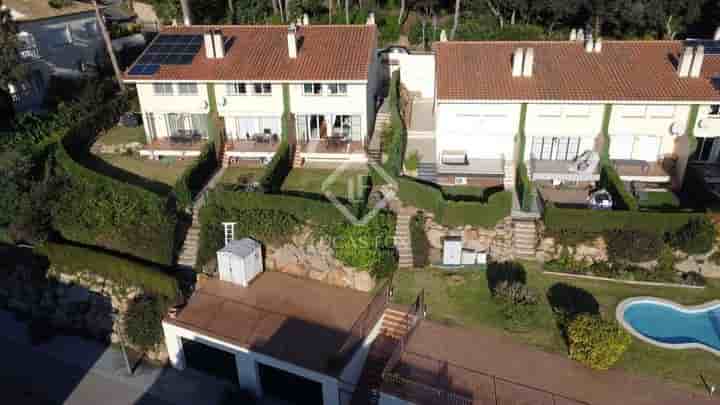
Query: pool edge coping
{"points": [[624, 304]]}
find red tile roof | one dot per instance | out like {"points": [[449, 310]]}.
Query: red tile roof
{"points": [[259, 52], [622, 71]]}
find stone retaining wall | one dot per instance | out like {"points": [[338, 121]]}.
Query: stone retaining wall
{"points": [[79, 303]]}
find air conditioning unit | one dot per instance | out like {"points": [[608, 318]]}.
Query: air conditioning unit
{"points": [[454, 157], [676, 129], [460, 181]]}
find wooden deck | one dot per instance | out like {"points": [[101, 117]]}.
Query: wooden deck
{"points": [[325, 146], [637, 170], [251, 146]]}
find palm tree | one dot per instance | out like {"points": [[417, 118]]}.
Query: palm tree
{"points": [[108, 47]]}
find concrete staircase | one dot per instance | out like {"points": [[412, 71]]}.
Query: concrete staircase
{"points": [[298, 161], [189, 251], [525, 238], [402, 238], [394, 326], [509, 175], [427, 171]]}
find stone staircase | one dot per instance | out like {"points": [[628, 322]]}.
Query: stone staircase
{"points": [[509, 175], [394, 326], [402, 238], [427, 171], [525, 238], [188, 253], [297, 159]]}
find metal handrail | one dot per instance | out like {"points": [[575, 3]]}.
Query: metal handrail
{"points": [[412, 319]]}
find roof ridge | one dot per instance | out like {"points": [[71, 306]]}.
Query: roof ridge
{"points": [[284, 26], [614, 41]]}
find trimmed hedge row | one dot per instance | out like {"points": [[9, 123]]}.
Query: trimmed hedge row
{"points": [[610, 180], [100, 211], [454, 213], [396, 148], [575, 221], [196, 176], [277, 170], [70, 259], [268, 217], [523, 187]]}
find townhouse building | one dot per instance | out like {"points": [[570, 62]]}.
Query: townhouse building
{"points": [[323, 76], [566, 100]]}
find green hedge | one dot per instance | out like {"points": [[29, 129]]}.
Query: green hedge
{"points": [[454, 213], [523, 187], [270, 218], [196, 176], [583, 221], [396, 148], [278, 168], [610, 180], [100, 211], [690, 129], [70, 259]]}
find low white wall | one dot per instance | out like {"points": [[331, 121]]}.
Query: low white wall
{"points": [[417, 73], [387, 399]]}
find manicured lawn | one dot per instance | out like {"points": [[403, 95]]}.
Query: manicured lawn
{"points": [[311, 181], [233, 175], [162, 171], [659, 200], [122, 135], [464, 299]]}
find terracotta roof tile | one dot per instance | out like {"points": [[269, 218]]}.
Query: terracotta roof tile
{"points": [[257, 52], [622, 71]]}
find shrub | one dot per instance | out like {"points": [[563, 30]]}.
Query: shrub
{"points": [[278, 168], [633, 246], [665, 268], [412, 160], [97, 210], [70, 259], [143, 322], [389, 29], [504, 272], [360, 245], [467, 193], [421, 195], [693, 278], [396, 147], [386, 265], [270, 218], [610, 180], [595, 342], [57, 3], [419, 240], [194, 178], [696, 237], [515, 293]]}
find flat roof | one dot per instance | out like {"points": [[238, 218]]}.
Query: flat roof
{"points": [[563, 71], [29, 10], [300, 321], [464, 361]]}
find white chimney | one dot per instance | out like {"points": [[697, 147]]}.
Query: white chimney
{"points": [[589, 45], [517, 62], [187, 15], [580, 34], [219, 44], [208, 42], [685, 62], [370, 19], [716, 37], [443, 36], [292, 41], [306, 19], [573, 35], [598, 45], [528, 63], [697, 62], [240, 261]]}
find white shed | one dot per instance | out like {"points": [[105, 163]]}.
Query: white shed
{"points": [[240, 261]]}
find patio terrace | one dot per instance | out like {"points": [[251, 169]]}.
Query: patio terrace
{"points": [[640, 170]]}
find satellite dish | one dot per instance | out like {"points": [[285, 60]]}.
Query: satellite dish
{"points": [[702, 124], [676, 128]]}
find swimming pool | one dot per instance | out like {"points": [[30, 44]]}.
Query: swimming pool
{"points": [[668, 324]]}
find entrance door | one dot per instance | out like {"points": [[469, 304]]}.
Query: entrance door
{"points": [[297, 390]]}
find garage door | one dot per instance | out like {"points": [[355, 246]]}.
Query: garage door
{"points": [[280, 384], [210, 360]]}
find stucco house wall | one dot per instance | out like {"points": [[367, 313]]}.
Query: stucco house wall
{"points": [[484, 131], [656, 120]]}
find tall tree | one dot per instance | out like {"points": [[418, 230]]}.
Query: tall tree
{"points": [[401, 15], [109, 47], [456, 19], [12, 70]]}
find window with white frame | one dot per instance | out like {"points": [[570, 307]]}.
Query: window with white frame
{"points": [[312, 89], [187, 89], [555, 147], [262, 88], [337, 89], [236, 89], [163, 89]]}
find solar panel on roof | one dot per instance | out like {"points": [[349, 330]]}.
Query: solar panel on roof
{"points": [[711, 46], [173, 49], [144, 69]]}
